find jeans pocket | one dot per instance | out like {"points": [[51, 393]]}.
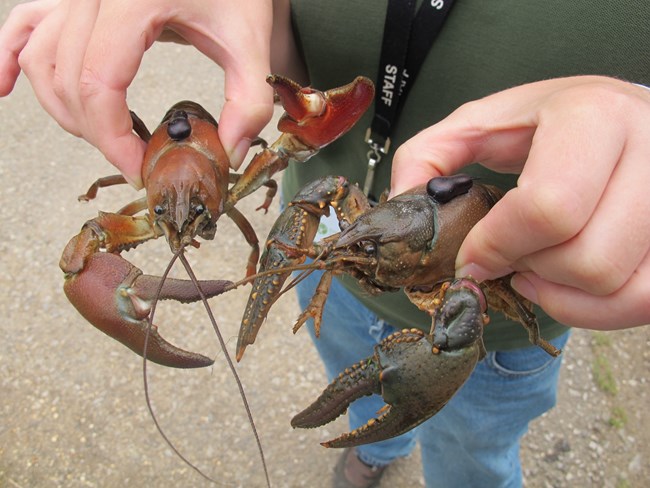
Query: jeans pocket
{"points": [[525, 361]]}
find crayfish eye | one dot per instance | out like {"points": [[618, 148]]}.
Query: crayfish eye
{"points": [[369, 247], [159, 210], [199, 209]]}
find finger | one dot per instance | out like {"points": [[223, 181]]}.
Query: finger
{"points": [[71, 51], [15, 34], [571, 158], [37, 61], [242, 48], [627, 307], [113, 55], [495, 131], [445, 148], [607, 251]]}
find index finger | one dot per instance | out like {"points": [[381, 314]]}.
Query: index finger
{"points": [[14, 35], [112, 58], [572, 156]]}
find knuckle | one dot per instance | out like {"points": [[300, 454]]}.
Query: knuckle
{"points": [[467, 111], [59, 86], [598, 274], [598, 99], [546, 213], [21, 14], [26, 59], [404, 153], [89, 84]]}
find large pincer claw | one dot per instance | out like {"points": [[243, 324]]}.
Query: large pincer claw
{"points": [[416, 373], [287, 246], [294, 228], [115, 297], [317, 118]]}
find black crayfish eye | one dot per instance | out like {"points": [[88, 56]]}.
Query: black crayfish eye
{"points": [[368, 247], [159, 210], [199, 209]]}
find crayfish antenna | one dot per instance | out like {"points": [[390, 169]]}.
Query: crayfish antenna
{"points": [[231, 365], [144, 369]]}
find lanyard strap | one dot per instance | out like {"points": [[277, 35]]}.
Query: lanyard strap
{"points": [[408, 38]]}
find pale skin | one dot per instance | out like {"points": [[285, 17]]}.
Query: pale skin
{"points": [[576, 230]]}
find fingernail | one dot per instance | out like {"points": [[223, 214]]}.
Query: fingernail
{"points": [[524, 287], [135, 183], [479, 273], [238, 154]]}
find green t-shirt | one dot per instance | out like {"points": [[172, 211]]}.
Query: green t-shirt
{"points": [[484, 47]]}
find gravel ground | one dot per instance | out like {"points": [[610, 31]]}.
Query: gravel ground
{"points": [[72, 409]]}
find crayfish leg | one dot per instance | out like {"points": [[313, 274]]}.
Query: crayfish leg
{"points": [[315, 307], [501, 296]]}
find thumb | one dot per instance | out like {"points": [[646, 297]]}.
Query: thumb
{"points": [[431, 153]]}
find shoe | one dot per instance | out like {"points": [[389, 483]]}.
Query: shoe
{"points": [[351, 472]]}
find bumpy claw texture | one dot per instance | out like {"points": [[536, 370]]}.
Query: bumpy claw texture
{"points": [[416, 373], [294, 226], [291, 233]]}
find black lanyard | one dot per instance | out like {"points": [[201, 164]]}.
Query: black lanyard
{"points": [[407, 39]]}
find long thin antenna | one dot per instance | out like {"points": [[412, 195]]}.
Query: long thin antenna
{"points": [[231, 365], [144, 371]]}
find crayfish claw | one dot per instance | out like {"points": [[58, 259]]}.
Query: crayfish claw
{"points": [[264, 293], [359, 380], [317, 118], [416, 373], [159, 350], [294, 228], [115, 297], [414, 383]]}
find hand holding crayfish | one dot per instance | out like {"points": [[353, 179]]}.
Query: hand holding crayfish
{"points": [[61, 46], [576, 229]]}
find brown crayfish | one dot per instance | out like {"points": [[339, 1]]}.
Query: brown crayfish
{"points": [[409, 242], [186, 175]]}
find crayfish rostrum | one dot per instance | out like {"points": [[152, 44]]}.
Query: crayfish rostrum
{"points": [[409, 242], [188, 187]]}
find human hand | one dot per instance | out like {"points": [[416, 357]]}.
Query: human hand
{"points": [[576, 229], [80, 57]]}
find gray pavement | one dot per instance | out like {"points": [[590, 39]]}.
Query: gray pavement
{"points": [[72, 410]]}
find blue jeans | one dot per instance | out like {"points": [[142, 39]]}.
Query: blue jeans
{"points": [[474, 440]]}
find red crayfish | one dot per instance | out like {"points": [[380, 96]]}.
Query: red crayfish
{"points": [[186, 176], [189, 185]]}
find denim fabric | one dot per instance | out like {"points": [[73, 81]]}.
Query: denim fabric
{"points": [[471, 442]]}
